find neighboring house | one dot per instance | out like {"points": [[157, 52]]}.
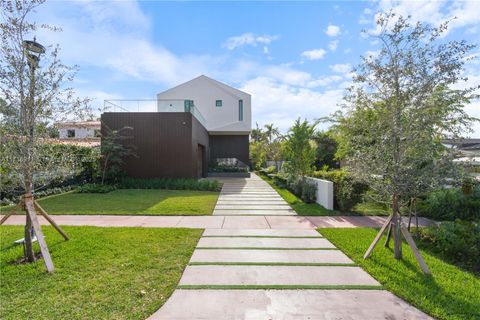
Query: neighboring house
{"points": [[197, 122], [79, 130], [468, 154]]}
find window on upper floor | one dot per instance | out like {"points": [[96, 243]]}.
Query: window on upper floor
{"points": [[218, 103], [240, 110], [71, 133]]}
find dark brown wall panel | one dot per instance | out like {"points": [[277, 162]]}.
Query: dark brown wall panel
{"points": [[163, 143], [200, 137], [230, 146]]}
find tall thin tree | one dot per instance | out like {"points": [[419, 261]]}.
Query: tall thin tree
{"points": [[34, 86]]}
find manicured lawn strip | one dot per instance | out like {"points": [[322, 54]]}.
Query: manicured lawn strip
{"points": [[263, 248], [371, 209], [101, 273], [286, 237], [282, 287], [133, 202], [294, 264], [302, 208], [449, 294]]}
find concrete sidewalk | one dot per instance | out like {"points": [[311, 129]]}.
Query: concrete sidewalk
{"points": [[238, 274], [216, 222]]}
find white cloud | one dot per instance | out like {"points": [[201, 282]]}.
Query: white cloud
{"points": [[341, 68], [249, 39], [315, 54], [281, 104], [332, 30], [433, 12], [333, 45]]}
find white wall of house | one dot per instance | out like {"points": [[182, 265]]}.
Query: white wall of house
{"points": [[80, 132], [205, 92]]}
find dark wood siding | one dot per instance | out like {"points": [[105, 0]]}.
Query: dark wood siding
{"points": [[200, 137], [163, 143], [230, 146]]}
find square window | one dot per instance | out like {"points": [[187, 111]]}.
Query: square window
{"points": [[71, 133], [218, 103]]}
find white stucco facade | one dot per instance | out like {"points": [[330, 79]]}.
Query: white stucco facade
{"points": [[205, 92], [81, 130]]}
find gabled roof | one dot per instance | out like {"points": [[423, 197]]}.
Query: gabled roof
{"points": [[228, 89]]}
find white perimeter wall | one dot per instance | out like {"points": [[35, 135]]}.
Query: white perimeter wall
{"points": [[324, 192]]}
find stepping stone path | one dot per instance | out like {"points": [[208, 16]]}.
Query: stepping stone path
{"points": [[250, 196], [277, 274]]}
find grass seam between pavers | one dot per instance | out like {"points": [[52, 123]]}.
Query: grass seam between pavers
{"points": [[287, 237], [284, 287], [265, 248], [290, 264]]}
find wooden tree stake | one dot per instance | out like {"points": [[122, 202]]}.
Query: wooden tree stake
{"points": [[49, 219], [377, 238], [30, 208], [416, 253]]}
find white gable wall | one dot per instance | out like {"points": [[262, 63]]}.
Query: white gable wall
{"points": [[204, 92]]}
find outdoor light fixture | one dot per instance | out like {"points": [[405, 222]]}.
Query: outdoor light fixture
{"points": [[33, 50]]}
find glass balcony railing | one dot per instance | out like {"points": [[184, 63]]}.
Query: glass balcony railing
{"points": [[154, 105]]}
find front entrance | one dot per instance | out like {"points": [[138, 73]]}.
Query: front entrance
{"points": [[201, 162]]}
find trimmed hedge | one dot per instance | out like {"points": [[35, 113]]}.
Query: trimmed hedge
{"points": [[96, 188], [172, 184], [347, 192]]}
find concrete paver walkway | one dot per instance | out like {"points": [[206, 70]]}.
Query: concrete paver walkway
{"points": [[272, 276], [250, 196]]}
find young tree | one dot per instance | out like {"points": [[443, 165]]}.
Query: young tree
{"points": [[400, 107], [33, 84], [326, 150], [300, 149]]}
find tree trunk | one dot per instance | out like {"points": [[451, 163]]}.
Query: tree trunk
{"points": [[397, 232], [29, 254]]}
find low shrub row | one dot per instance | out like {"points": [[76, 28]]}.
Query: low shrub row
{"points": [[227, 168], [456, 241], [302, 188], [347, 192], [96, 188], [451, 204], [172, 184]]}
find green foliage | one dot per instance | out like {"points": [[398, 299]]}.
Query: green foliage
{"points": [[100, 273], [83, 166], [221, 167], [347, 191], [303, 188], [456, 241], [451, 204], [325, 151], [96, 188], [401, 105], [450, 293], [115, 151], [270, 170], [258, 154], [300, 149], [300, 207], [171, 184]]}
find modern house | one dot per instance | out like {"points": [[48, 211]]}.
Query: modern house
{"points": [[79, 130], [195, 123]]}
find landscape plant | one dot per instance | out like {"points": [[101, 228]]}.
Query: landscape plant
{"points": [[34, 86], [401, 105]]}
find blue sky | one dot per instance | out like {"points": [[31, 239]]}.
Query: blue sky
{"points": [[293, 57]]}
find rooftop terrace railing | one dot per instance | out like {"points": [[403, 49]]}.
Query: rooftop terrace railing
{"points": [[154, 105]]}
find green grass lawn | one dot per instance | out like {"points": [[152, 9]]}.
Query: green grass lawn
{"points": [[100, 273], [450, 293], [133, 202]]}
